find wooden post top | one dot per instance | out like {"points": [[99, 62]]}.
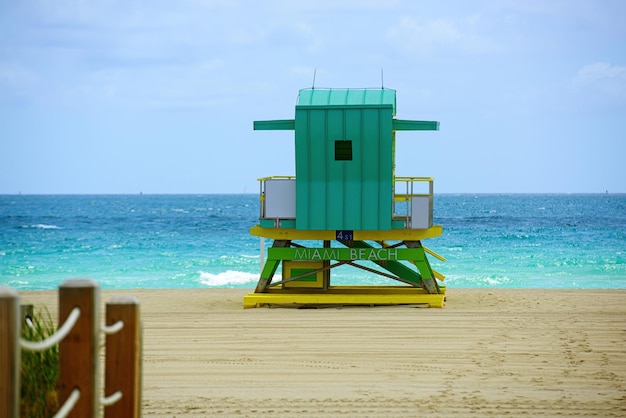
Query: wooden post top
{"points": [[7, 292], [78, 283], [123, 300]]}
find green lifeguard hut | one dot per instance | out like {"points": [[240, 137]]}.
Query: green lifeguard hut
{"points": [[345, 191]]}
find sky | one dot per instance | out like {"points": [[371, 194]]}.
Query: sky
{"points": [[155, 96]]}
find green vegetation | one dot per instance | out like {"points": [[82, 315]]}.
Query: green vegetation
{"points": [[40, 369]]}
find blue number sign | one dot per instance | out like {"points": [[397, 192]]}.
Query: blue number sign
{"points": [[343, 235]]}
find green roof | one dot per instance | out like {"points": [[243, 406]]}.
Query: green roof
{"points": [[344, 97], [327, 99]]}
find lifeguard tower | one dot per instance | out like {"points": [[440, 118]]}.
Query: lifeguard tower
{"points": [[346, 206]]}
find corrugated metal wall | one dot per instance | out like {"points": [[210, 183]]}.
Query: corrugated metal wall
{"points": [[354, 194]]}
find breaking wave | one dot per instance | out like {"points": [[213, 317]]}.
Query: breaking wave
{"points": [[229, 278], [41, 226]]}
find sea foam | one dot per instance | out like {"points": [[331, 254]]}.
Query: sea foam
{"points": [[41, 226], [228, 278]]}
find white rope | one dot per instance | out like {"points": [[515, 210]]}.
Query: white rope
{"points": [[29, 322], [54, 338], [69, 404], [112, 329], [110, 400]]}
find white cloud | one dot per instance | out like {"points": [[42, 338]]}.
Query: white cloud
{"points": [[17, 76], [425, 38], [335, 6], [601, 80], [198, 84], [600, 71]]}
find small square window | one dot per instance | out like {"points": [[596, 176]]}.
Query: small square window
{"points": [[343, 150]]}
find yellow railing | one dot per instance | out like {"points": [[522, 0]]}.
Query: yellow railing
{"points": [[410, 188], [404, 190], [262, 192], [262, 179]]}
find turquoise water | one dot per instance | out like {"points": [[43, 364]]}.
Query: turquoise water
{"points": [[198, 241]]}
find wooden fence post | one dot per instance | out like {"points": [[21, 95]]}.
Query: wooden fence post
{"points": [[123, 358], [10, 352], [78, 351]]}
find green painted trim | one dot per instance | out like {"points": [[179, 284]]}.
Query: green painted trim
{"points": [[422, 264], [302, 272], [275, 125], [397, 224], [284, 223], [267, 274], [288, 223], [339, 97], [415, 125], [405, 273], [424, 268], [343, 254], [266, 223], [270, 268], [344, 106]]}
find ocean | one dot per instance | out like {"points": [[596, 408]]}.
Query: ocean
{"points": [[569, 241]]}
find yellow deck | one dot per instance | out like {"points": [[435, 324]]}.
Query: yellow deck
{"points": [[346, 295], [387, 235]]}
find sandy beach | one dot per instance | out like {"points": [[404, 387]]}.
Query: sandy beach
{"points": [[514, 352]]}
